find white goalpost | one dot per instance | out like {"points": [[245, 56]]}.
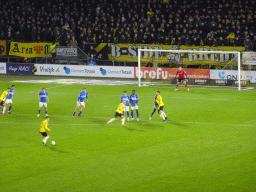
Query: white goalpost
{"points": [[190, 55]]}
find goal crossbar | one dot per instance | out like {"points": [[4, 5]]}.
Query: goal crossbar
{"points": [[191, 51]]}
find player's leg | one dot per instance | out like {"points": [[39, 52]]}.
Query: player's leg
{"points": [[113, 119], [82, 108], [186, 85], [162, 113], [123, 120], [45, 106], [137, 112], [3, 110], [40, 107], [127, 111], [131, 114], [1, 106], [177, 85], [81, 111], [77, 105], [155, 107], [46, 137], [10, 108]]}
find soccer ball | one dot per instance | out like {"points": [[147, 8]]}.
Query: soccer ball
{"points": [[53, 142]]}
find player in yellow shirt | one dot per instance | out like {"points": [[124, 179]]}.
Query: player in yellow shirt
{"points": [[43, 128], [119, 113], [160, 103], [2, 100]]}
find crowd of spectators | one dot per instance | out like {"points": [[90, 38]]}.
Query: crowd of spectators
{"points": [[170, 22]]}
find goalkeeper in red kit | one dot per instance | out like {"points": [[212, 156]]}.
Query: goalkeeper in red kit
{"points": [[181, 75]]}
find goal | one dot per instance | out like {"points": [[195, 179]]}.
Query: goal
{"points": [[203, 67]]}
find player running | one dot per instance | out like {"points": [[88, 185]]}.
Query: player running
{"points": [[127, 104], [43, 128], [80, 102], [181, 75], [44, 99], [9, 99], [134, 99], [155, 107], [160, 103], [2, 100], [119, 113]]}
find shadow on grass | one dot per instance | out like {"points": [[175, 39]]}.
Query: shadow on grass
{"points": [[177, 124], [57, 150]]}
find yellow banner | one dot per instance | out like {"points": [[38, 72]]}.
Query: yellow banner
{"points": [[129, 53], [2, 47], [29, 49]]}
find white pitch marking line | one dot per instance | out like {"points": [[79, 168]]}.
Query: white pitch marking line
{"points": [[149, 122], [48, 88], [165, 97]]}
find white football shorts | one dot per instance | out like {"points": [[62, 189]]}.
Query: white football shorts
{"points": [[126, 108], [8, 101], [155, 106], [80, 103], [42, 104], [136, 107]]}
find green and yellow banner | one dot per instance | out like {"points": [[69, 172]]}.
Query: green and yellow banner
{"points": [[3, 48], [29, 49], [129, 53]]}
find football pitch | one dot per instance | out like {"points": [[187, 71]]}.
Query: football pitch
{"points": [[207, 144]]}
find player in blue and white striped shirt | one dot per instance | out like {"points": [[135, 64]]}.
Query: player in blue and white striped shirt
{"points": [[80, 102], [9, 98], [127, 104], [134, 99]]}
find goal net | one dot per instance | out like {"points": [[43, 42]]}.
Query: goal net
{"points": [[211, 68]]}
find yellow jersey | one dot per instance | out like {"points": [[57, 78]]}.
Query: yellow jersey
{"points": [[120, 108], [43, 126], [4, 95], [159, 101]]}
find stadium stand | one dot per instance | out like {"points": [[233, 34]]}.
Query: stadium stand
{"points": [[199, 22]]}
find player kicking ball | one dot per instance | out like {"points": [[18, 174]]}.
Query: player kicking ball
{"points": [[119, 113], [134, 99], [181, 75], [9, 99], [2, 100], [80, 102], [160, 103], [43, 128], [43, 100], [126, 98]]}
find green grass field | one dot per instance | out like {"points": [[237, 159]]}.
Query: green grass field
{"points": [[209, 145]]}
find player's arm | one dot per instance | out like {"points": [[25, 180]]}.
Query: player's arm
{"points": [[129, 101], [87, 98], [79, 96], [47, 127], [185, 74], [39, 97], [177, 74], [137, 100], [47, 99]]}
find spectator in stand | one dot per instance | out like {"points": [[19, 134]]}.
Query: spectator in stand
{"points": [[248, 44], [231, 38], [73, 42]]}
